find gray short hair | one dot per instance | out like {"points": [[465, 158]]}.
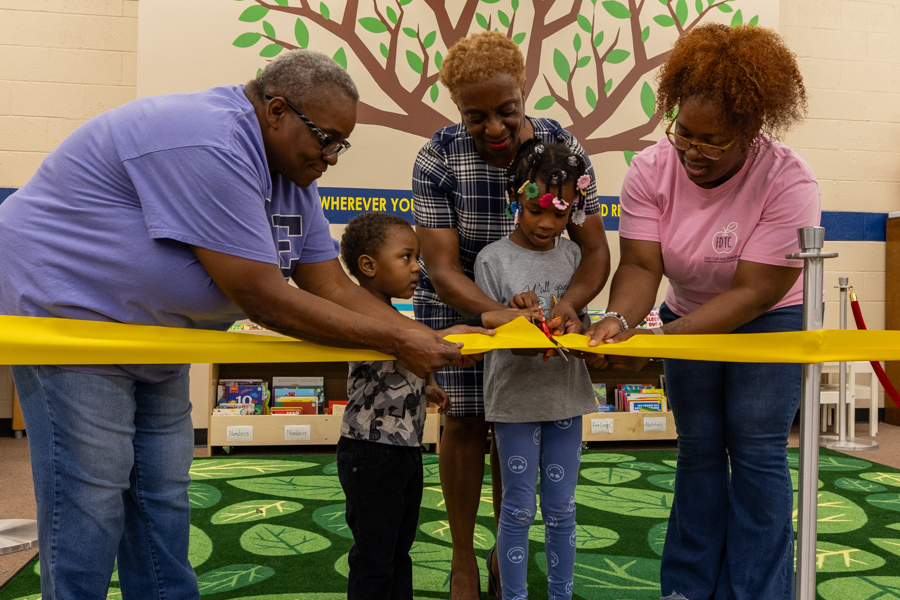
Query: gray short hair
{"points": [[301, 75]]}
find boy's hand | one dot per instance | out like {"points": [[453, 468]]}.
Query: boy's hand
{"points": [[439, 397], [496, 318]]}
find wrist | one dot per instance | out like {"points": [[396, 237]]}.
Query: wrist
{"points": [[657, 330], [611, 314]]}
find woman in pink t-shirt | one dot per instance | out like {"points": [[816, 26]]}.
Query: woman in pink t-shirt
{"points": [[715, 208]]}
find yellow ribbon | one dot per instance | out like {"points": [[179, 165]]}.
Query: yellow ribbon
{"points": [[34, 340]]}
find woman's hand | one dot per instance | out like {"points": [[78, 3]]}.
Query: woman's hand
{"points": [[609, 330], [525, 300]]}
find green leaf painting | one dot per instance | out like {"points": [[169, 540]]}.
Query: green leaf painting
{"points": [[737, 18], [373, 25], [391, 14], [681, 11], [795, 480], [591, 96], [281, 2], [605, 457], [200, 547], [253, 14], [201, 495], [625, 501], [834, 558], [894, 526], [860, 588], [648, 466], [333, 519], [410, 32], [544, 103], [656, 538], [414, 61], [561, 64], [331, 468], [324, 11], [433, 94], [648, 100], [610, 475], [307, 488], [892, 545], [482, 20], [433, 498], [645, 33], [301, 33], [429, 39], [616, 9], [587, 537], [835, 514], [754, 21], [889, 479], [598, 39], [606, 89], [519, 37], [664, 480], [439, 59], [340, 57], [885, 501], [584, 23], [271, 50], [270, 31], [583, 62], [279, 540], [859, 485], [576, 42], [832, 463], [603, 577], [440, 530], [664, 20], [503, 18], [617, 56], [245, 40], [628, 154], [232, 577], [724, 8], [254, 510], [246, 467]]}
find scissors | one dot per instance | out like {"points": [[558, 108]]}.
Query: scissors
{"points": [[546, 329]]}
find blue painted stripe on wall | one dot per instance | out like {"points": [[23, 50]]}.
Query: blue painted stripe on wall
{"points": [[341, 204]]}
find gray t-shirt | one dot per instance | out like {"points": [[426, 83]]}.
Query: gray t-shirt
{"points": [[521, 389]]}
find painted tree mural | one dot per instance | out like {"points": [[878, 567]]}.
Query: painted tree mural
{"points": [[600, 51]]}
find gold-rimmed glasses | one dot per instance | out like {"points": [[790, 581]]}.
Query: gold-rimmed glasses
{"points": [[710, 151]]}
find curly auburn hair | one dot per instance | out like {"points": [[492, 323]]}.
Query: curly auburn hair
{"points": [[366, 234], [479, 56], [747, 71]]}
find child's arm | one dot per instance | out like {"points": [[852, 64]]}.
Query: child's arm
{"points": [[438, 396]]}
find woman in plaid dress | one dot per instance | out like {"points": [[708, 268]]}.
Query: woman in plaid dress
{"points": [[459, 189]]}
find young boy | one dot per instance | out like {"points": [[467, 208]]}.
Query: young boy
{"points": [[379, 454]]}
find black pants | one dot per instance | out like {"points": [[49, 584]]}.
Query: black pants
{"points": [[383, 485]]}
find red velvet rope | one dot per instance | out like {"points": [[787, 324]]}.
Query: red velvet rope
{"points": [[889, 388]]}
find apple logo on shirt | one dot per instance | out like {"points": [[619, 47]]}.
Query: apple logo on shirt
{"points": [[725, 241]]}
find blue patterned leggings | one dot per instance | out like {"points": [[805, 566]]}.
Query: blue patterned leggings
{"points": [[555, 448]]}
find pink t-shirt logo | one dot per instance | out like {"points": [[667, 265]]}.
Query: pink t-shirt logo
{"points": [[725, 241]]}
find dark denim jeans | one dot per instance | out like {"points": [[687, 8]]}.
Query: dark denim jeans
{"points": [[383, 486], [110, 458], [730, 535]]}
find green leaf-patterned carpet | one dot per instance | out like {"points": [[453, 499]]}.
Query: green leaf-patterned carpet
{"points": [[272, 528]]}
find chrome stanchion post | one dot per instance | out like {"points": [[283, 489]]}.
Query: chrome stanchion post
{"points": [[844, 441], [811, 241]]}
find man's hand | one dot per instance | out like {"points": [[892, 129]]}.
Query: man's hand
{"points": [[424, 352], [438, 396], [570, 321], [524, 300], [496, 318]]}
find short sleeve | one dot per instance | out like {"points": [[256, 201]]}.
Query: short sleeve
{"points": [[433, 184], [639, 215], [485, 279], [204, 196], [797, 205]]}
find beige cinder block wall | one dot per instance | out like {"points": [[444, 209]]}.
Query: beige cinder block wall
{"points": [[64, 61]]}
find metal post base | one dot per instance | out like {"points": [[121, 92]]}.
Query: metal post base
{"points": [[17, 534], [850, 444]]}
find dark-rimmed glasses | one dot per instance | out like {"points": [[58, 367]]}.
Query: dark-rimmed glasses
{"points": [[710, 151], [330, 147]]}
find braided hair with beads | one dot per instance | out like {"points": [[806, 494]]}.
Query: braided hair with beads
{"points": [[557, 166]]}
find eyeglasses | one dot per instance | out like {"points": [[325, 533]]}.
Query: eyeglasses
{"points": [[330, 147], [710, 151]]}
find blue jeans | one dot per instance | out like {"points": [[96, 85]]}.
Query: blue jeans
{"points": [[383, 486], [552, 448], [110, 458], [730, 535]]}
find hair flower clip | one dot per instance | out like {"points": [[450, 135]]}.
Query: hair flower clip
{"points": [[560, 203], [546, 200], [531, 190], [583, 182], [578, 216]]}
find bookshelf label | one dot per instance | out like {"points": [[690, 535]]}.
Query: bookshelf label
{"points": [[296, 433], [601, 425], [654, 424], [239, 433]]}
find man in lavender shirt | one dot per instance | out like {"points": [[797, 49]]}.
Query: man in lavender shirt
{"points": [[185, 210]]}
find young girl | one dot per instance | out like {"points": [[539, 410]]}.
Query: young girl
{"points": [[536, 407], [379, 453]]}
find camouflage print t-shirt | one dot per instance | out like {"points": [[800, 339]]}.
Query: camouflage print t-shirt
{"points": [[387, 404]]}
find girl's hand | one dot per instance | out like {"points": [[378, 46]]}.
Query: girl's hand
{"points": [[438, 396], [496, 318], [525, 300], [569, 318]]}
